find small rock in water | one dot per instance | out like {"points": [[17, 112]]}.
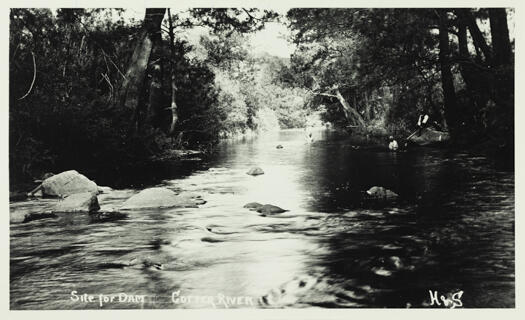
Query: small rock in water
{"points": [[270, 209], [253, 205], [255, 171], [279, 146], [199, 201], [382, 193], [191, 196], [382, 272], [219, 229], [211, 240], [396, 262]]}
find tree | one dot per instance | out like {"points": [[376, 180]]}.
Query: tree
{"points": [[421, 57], [80, 95], [368, 51], [449, 92], [133, 86]]}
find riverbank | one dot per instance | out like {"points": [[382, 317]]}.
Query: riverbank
{"points": [[181, 163]]}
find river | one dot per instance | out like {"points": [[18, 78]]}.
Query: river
{"points": [[452, 230]]}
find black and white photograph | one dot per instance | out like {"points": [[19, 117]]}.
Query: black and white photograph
{"points": [[260, 157]]}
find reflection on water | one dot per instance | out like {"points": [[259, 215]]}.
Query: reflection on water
{"points": [[453, 230]]}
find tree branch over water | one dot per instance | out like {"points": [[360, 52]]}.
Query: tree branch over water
{"points": [[34, 77]]}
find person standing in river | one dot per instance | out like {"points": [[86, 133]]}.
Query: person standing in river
{"points": [[422, 122], [392, 146]]}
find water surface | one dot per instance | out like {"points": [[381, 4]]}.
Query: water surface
{"points": [[452, 230]]}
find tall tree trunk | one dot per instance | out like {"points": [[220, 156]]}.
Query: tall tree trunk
{"points": [[499, 32], [154, 115], [368, 106], [503, 68], [449, 93], [132, 89], [503, 65], [173, 104], [350, 113]]}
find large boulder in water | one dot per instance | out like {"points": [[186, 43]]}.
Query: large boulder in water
{"points": [[158, 198], [255, 171], [67, 183], [78, 202], [381, 193]]}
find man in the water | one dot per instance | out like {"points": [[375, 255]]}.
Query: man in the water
{"points": [[392, 144]]}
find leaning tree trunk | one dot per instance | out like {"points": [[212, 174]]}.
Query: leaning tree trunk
{"points": [[477, 81], [449, 93], [133, 86], [479, 41], [351, 114]]}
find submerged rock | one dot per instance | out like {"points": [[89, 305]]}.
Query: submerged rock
{"points": [[192, 197], [381, 193], [67, 183], [107, 216], [279, 146], [290, 292], [136, 263], [255, 171], [78, 202], [159, 198], [270, 209], [150, 264], [23, 217], [38, 216], [220, 230], [253, 205], [211, 239]]}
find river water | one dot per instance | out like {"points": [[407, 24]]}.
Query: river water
{"points": [[452, 230]]}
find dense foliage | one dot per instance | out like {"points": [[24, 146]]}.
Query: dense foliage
{"points": [[76, 113], [392, 65], [89, 87]]}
